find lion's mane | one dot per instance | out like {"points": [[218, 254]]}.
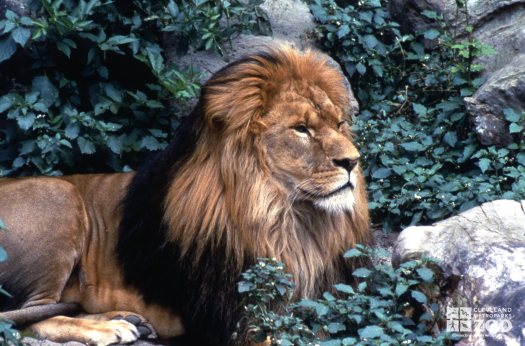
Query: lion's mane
{"points": [[200, 212]]}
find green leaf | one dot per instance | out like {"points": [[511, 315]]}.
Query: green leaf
{"points": [[411, 146], [173, 8], [330, 343], [103, 72], [5, 103], [19, 162], [362, 273], [381, 173], [151, 143], [31, 97], [26, 121], [7, 48], [26, 21], [349, 341], [484, 164], [385, 291], [336, 327], [113, 93], [370, 332], [515, 128], [244, 286], [467, 152], [361, 68], [425, 274], [319, 308], [343, 31], [344, 288], [48, 92], [419, 296], [72, 130], [10, 15], [431, 34], [370, 41], [20, 35], [3, 254], [521, 158], [120, 39], [86, 146], [64, 48], [430, 14], [419, 109], [115, 144], [450, 138], [353, 253], [401, 289], [511, 115]]}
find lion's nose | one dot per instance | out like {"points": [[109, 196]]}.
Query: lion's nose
{"points": [[346, 163]]}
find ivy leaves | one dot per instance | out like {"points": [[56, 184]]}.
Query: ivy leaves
{"points": [[422, 160], [85, 85], [371, 312]]}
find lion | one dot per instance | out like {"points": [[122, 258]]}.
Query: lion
{"points": [[264, 166]]}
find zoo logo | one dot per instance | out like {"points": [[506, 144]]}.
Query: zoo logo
{"points": [[462, 320]]}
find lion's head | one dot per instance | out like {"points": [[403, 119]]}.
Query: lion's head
{"points": [[307, 148], [265, 166]]}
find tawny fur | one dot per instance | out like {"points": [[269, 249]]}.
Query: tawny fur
{"points": [[226, 191], [256, 170]]}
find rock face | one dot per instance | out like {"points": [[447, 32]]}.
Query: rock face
{"points": [[290, 20], [498, 23], [482, 252], [505, 88]]}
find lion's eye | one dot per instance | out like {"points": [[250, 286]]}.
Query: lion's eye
{"points": [[341, 124], [301, 129]]}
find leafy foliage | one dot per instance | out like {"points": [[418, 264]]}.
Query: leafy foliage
{"points": [[84, 84], [422, 160], [8, 335], [379, 310]]}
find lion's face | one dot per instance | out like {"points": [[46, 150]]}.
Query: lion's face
{"points": [[308, 147]]}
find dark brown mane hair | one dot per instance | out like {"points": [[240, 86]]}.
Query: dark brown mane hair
{"points": [[201, 211]]}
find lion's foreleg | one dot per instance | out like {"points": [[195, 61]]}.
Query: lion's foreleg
{"points": [[96, 329]]}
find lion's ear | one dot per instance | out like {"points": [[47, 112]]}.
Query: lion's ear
{"points": [[239, 101]]}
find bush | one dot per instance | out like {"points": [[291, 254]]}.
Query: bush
{"points": [[388, 307], [422, 160], [84, 85]]}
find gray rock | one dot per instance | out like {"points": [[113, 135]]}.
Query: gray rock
{"points": [[482, 251], [505, 32], [408, 13], [499, 24], [17, 6], [290, 20], [504, 89]]}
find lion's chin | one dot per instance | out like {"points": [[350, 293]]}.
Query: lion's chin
{"points": [[342, 201]]}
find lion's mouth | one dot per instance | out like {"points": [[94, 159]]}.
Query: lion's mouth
{"points": [[348, 185]]}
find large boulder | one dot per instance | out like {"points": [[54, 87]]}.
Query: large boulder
{"points": [[505, 88], [482, 257], [497, 23]]}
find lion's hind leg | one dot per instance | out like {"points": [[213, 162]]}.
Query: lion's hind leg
{"points": [[97, 329]]}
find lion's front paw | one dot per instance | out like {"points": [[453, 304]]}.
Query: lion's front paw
{"points": [[144, 328], [87, 331], [113, 332]]}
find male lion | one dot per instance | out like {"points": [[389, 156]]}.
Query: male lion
{"points": [[263, 167]]}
